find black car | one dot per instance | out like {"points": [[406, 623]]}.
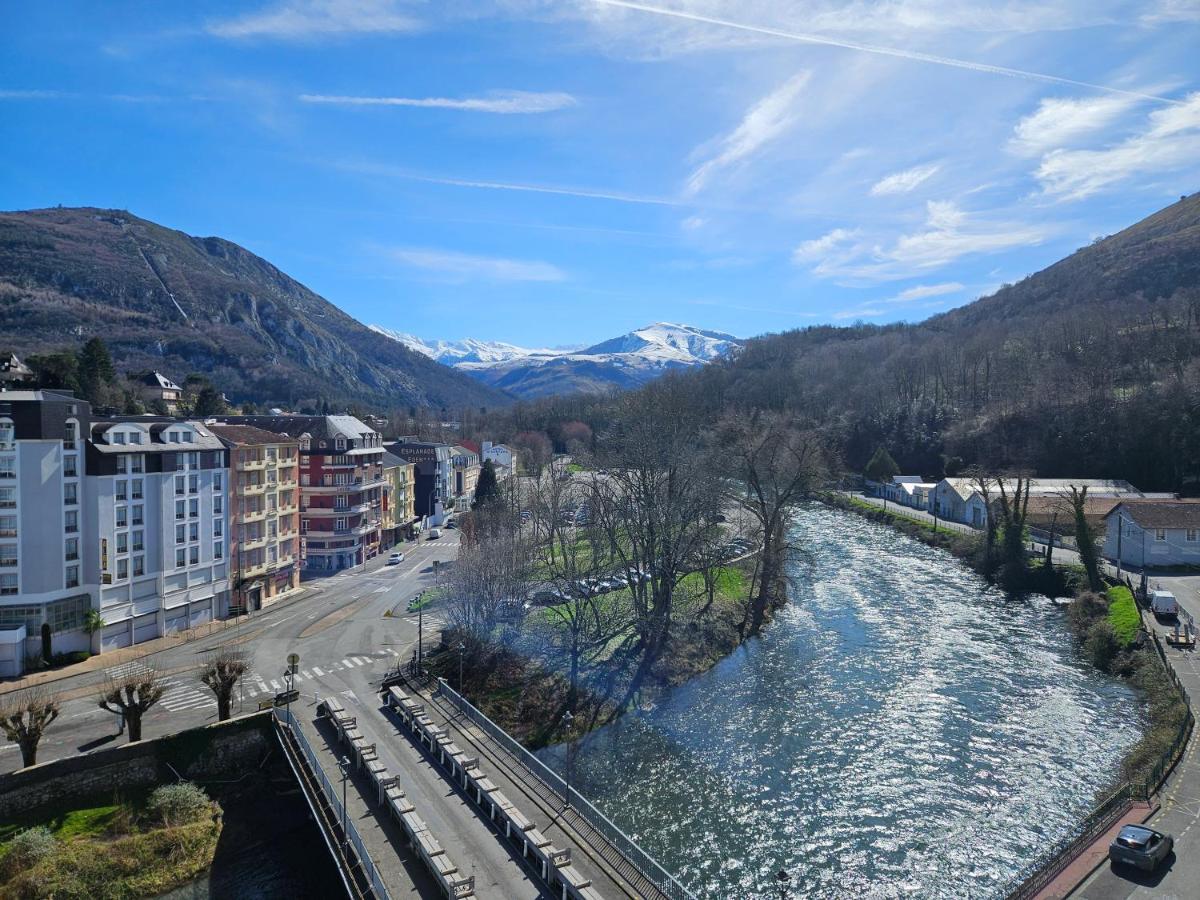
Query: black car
{"points": [[1140, 846]]}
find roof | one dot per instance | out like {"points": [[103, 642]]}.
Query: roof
{"points": [[1097, 487], [1161, 513], [42, 394], [911, 486], [391, 460], [1046, 505], [472, 446], [205, 439], [159, 380], [316, 427], [249, 434]]}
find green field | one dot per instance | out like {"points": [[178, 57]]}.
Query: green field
{"points": [[1123, 615]]}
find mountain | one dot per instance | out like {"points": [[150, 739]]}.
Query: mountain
{"points": [[621, 362], [166, 300]]}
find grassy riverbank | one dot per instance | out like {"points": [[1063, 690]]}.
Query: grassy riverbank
{"points": [[522, 681]]}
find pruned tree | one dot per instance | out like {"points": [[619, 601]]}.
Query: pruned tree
{"points": [[24, 717], [1085, 537], [131, 696], [1014, 506], [221, 673], [772, 466], [984, 484]]}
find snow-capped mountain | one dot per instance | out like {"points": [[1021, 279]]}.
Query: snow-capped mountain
{"points": [[622, 362]]}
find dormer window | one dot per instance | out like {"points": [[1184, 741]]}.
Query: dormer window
{"points": [[341, 443], [119, 437], [135, 437]]}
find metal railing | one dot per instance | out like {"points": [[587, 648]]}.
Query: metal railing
{"points": [[663, 880], [380, 890]]}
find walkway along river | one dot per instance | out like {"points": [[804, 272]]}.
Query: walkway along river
{"points": [[901, 729]]}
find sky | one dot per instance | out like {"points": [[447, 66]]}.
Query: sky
{"points": [[558, 173]]}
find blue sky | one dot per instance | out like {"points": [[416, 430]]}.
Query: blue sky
{"points": [[561, 172]]}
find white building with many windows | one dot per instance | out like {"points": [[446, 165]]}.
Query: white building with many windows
{"points": [[158, 517], [1152, 533], [43, 585]]}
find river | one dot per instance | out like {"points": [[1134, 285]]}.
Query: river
{"points": [[901, 730]]}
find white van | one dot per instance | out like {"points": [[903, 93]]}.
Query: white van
{"points": [[1163, 603]]}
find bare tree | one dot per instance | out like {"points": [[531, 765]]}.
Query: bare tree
{"points": [[773, 466], [221, 673], [1014, 506], [131, 696], [492, 569], [24, 717], [1085, 538]]}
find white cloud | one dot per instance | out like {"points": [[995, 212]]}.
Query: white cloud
{"points": [[820, 248], [310, 19], [1187, 11], [34, 95], [861, 312], [1169, 143], [1062, 121], [766, 120], [692, 223], [502, 102], [465, 266], [921, 291], [903, 182]]}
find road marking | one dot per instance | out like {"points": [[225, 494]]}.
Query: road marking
{"points": [[349, 663], [274, 685], [304, 673], [317, 672], [382, 590]]}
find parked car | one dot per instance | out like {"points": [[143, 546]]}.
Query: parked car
{"points": [[1163, 603], [1140, 846], [435, 533], [414, 604], [395, 559]]}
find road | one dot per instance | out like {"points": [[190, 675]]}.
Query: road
{"points": [[1180, 812]]}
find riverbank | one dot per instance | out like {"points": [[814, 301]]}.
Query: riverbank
{"points": [[522, 681]]}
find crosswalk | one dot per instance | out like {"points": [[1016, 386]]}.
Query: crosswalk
{"points": [[187, 692]]}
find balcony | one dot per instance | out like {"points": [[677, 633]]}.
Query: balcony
{"points": [[250, 571], [337, 510], [8, 532], [354, 531], [253, 515], [351, 487], [250, 465], [253, 543], [252, 488]]}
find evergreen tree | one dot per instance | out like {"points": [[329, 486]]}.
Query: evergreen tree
{"points": [[209, 402], [96, 372], [487, 488], [882, 467], [56, 370]]}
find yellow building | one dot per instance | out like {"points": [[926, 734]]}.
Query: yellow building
{"points": [[399, 515]]}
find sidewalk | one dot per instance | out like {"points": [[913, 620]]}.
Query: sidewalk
{"points": [[1093, 856]]}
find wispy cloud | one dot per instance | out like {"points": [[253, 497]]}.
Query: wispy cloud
{"points": [[1058, 122], [501, 102], [900, 53], [585, 193], [1169, 143], [903, 182], [467, 267], [303, 20], [820, 248], [922, 291], [766, 120], [35, 95]]}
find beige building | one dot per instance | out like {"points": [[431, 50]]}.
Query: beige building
{"points": [[399, 513], [264, 514]]}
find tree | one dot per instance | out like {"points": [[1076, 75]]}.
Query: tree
{"points": [[96, 372], [93, 622], [1085, 538], [486, 488], [534, 450], [1014, 566], [221, 673], [47, 645], [881, 467], [56, 370], [131, 696], [24, 717], [209, 402]]}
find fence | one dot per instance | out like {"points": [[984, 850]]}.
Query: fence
{"points": [[625, 845], [368, 866]]}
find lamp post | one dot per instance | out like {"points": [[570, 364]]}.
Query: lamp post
{"points": [[344, 763], [462, 649], [567, 719], [783, 878]]}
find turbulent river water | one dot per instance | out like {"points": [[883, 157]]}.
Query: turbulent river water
{"points": [[900, 730]]}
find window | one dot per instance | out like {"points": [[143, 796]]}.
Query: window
{"points": [[71, 549], [8, 467], [135, 437], [137, 514], [136, 489], [122, 541], [1160, 534], [70, 434], [8, 555], [71, 522], [193, 555], [194, 460], [172, 437], [218, 527], [219, 550], [304, 526], [180, 510], [186, 436], [121, 490], [138, 544], [8, 526], [122, 464], [339, 478], [193, 508], [119, 437], [218, 482], [180, 534], [137, 464], [218, 504], [72, 577], [7, 434], [272, 454], [193, 484], [272, 529], [341, 443], [122, 517], [123, 567], [70, 467], [193, 531], [8, 497], [139, 566], [304, 479], [180, 558], [8, 586], [71, 494], [339, 524], [67, 615], [180, 485], [1193, 534]]}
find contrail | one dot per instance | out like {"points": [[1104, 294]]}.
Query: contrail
{"points": [[883, 51]]}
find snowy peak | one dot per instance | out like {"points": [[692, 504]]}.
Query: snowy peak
{"points": [[469, 350], [669, 341]]}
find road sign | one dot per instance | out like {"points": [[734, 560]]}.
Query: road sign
{"points": [[293, 659]]}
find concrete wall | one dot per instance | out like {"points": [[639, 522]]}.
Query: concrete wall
{"points": [[226, 749]]}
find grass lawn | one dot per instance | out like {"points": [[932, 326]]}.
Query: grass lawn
{"points": [[93, 820], [1123, 615], [575, 468]]}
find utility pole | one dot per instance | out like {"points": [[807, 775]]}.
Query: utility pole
{"points": [[567, 719], [462, 649], [344, 762]]}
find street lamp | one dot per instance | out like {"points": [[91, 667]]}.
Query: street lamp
{"points": [[344, 763], [462, 649], [567, 719], [783, 878]]}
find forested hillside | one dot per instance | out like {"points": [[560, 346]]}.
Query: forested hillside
{"points": [[1089, 368]]}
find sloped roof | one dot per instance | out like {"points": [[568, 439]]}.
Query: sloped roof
{"points": [[391, 460], [159, 380], [316, 427], [249, 434], [1161, 513]]}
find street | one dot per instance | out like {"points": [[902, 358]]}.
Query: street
{"points": [[338, 626]]}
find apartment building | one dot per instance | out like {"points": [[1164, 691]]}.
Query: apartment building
{"points": [[43, 582], [399, 496], [157, 526], [466, 476], [264, 514], [503, 458], [341, 486], [434, 479]]}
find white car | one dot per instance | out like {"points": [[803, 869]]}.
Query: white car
{"points": [[434, 534], [395, 559]]}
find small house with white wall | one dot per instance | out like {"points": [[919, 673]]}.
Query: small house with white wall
{"points": [[1153, 532]]}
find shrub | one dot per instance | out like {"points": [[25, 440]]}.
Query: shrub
{"points": [[29, 848], [1102, 645], [178, 804], [1123, 615], [1085, 609]]}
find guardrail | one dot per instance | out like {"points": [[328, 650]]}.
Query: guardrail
{"points": [[380, 890], [663, 880]]}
